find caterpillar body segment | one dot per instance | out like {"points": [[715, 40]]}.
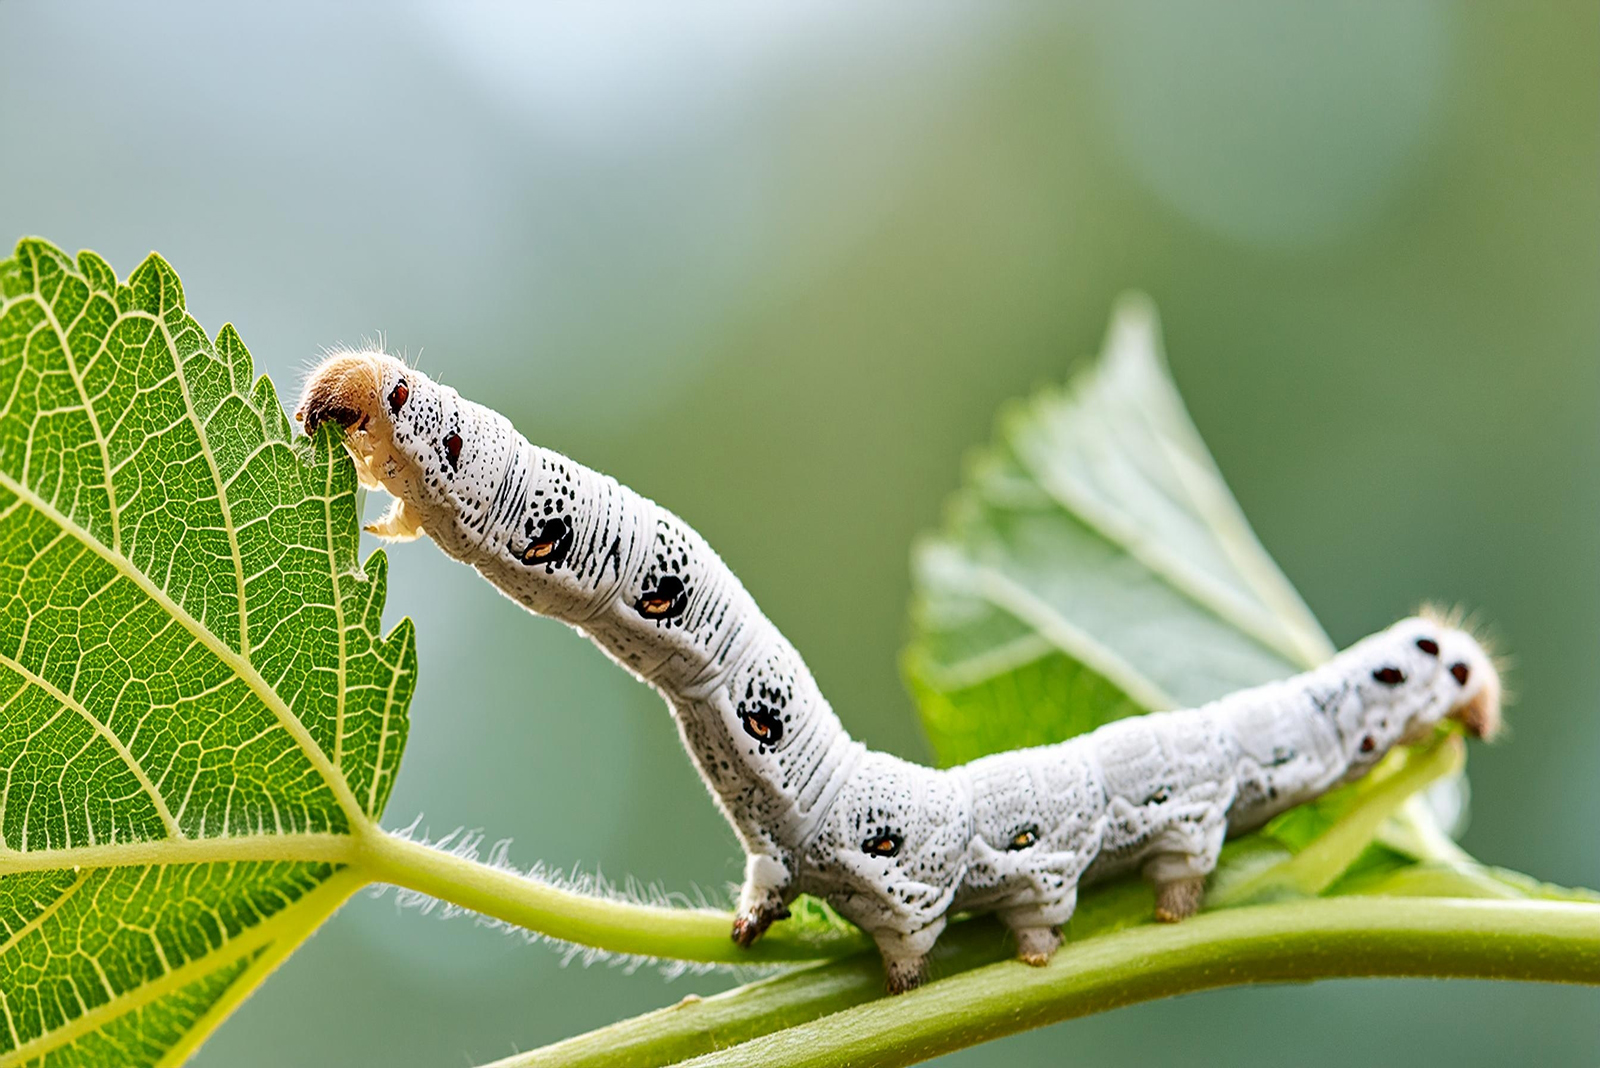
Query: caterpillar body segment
{"points": [[893, 846]]}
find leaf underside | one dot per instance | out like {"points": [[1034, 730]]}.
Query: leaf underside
{"points": [[191, 670], [1094, 566]]}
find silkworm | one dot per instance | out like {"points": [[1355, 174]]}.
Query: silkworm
{"points": [[893, 846]]}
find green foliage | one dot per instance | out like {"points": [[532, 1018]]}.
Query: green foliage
{"points": [[200, 723], [195, 692]]}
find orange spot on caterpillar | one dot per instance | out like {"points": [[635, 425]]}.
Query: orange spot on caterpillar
{"points": [[883, 845], [762, 725], [666, 601], [1023, 839]]}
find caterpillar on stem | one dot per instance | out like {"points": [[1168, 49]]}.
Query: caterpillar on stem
{"points": [[894, 846]]}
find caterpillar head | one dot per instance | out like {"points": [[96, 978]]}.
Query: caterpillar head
{"points": [[441, 457], [1422, 670], [348, 388], [1476, 703]]}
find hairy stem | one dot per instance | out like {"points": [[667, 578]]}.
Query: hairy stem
{"points": [[1295, 941], [615, 926]]}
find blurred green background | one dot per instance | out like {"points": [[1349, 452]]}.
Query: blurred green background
{"points": [[776, 266]]}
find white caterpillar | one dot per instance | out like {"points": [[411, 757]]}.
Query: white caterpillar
{"points": [[893, 846]]}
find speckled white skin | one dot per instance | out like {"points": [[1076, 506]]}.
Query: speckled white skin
{"points": [[894, 846]]}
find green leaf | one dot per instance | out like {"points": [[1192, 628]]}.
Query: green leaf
{"points": [[1095, 566], [197, 711]]}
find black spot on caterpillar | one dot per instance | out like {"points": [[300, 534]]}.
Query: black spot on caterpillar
{"points": [[1023, 839], [1389, 676], [549, 545], [762, 725], [883, 845], [666, 601]]}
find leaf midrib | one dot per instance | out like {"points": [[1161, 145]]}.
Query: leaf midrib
{"points": [[240, 665], [211, 464], [332, 847]]}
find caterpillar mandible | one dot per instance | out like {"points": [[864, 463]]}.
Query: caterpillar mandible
{"points": [[893, 846]]}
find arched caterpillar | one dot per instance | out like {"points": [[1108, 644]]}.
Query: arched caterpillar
{"points": [[892, 845]]}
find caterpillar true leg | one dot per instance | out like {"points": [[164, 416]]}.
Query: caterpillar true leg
{"points": [[892, 845], [400, 523], [764, 899]]}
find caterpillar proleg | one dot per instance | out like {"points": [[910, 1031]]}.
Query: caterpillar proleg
{"points": [[893, 846]]}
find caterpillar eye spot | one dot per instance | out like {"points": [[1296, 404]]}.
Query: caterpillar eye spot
{"points": [[397, 397], [1461, 672], [666, 601], [883, 845], [1389, 676], [1023, 839], [1428, 645], [1368, 744], [763, 726], [452, 448], [550, 545]]}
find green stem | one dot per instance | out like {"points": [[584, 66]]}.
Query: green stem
{"points": [[1296, 941], [697, 1025], [702, 1025], [614, 926]]}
